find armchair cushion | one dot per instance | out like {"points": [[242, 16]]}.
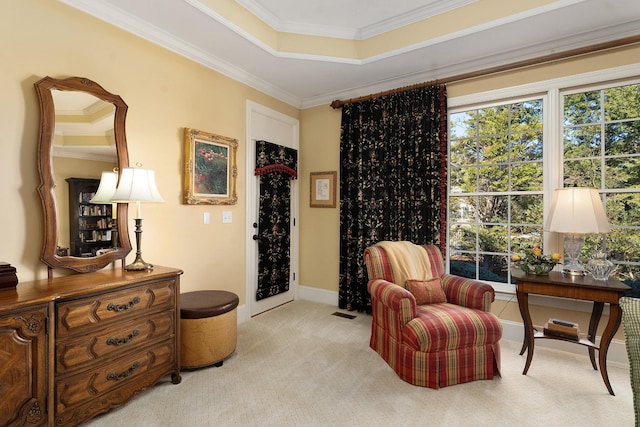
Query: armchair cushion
{"points": [[445, 327], [426, 291]]}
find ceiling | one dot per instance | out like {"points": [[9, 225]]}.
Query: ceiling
{"points": [[88, 119], [310, 52]]}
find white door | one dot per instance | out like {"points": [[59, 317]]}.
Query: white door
{"points": [[268, 125]]}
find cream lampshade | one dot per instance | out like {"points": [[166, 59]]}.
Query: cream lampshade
{"points": [[106, 189], [137, 185], [576, 211]]}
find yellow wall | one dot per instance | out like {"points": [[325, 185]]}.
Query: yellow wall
{"points": [[165, 93], [319, 227]]}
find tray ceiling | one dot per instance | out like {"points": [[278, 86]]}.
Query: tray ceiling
{"points": [[309, 52]]}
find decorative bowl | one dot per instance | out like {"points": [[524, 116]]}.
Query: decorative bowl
{"points": [[537, 269]]}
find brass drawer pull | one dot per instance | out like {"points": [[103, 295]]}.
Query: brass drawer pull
{"points": [[120, 341], [122, 375], [123, 307]]}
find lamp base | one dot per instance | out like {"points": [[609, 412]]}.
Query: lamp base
{"points": [[138, 265], [574, 271], [573, 245]]}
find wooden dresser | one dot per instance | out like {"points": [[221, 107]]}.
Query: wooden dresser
{"points": [[76, 346]]}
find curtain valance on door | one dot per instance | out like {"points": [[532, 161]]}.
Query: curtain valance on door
{"points": [[273, 158]]}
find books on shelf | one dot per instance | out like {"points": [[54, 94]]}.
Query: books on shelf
{"points": [[562, 329]]}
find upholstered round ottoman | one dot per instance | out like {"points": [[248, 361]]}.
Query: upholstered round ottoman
{"points": [[208, 328]]}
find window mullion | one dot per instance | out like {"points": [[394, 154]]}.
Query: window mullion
{"points": [[552, 161]]}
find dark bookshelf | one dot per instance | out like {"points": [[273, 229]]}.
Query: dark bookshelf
{"points": [[89, 223]]}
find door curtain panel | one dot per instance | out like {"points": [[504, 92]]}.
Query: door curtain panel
{"points": [[276, 166]]}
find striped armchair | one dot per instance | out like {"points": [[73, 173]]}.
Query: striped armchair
{"points": [[436, 344]]}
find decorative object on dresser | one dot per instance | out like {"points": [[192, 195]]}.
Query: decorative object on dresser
{"points": [[137, 185], [8, 277], [576, 211]]}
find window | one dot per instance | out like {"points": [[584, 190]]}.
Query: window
{"points": [[504, 161], [601, 149], [496, 186]]}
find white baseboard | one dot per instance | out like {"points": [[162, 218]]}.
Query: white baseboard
{"points": [[243, 313], [305, 292], [511, 331], [318, 295]]}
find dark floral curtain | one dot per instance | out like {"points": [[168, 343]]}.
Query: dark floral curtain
{"points": [[277, 166], [392, 180]]}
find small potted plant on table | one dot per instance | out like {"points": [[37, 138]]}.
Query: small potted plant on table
{"points": [[533, 261]]}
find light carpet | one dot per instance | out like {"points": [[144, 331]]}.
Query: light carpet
{"points": [[299, 365]]}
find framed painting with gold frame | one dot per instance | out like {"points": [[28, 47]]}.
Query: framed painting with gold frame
{"points": [[323, 189], [210, 169]]}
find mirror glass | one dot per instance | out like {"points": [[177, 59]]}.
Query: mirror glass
{"points": [[81, 136]]}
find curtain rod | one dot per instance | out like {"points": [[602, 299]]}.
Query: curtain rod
{"points": [[626, 41]]}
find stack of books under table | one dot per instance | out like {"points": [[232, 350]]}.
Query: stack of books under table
{"points": [[562, 329]]}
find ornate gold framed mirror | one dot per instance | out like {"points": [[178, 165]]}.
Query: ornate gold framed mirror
{"points": [[76, 112]]}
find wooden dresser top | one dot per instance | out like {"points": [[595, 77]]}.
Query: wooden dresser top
{"points": [[77, 285]]}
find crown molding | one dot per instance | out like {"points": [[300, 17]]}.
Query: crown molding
{"points": [[153, 34], [514, 56], [416, 15]]}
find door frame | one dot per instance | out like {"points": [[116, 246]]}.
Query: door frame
{"points": [[263, 123]]}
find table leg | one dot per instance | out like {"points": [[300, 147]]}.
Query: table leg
{"points": [[523, 304], [615, 317], [593, 327], [520, 296]]}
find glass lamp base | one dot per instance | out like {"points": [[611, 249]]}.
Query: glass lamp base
{"points": [[573, 245], [574, 271]]}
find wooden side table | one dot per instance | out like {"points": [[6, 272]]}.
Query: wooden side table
{"points": [[576, 287]]}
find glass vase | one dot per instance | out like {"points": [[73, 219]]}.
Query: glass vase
{"points": [[600, 267]]}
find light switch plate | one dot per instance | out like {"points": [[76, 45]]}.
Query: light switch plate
{"points": [[226, 217], [205, 218]]}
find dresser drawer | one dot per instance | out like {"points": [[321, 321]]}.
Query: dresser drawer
{"points": [[87, 313], [126, 372], [78, 352]]}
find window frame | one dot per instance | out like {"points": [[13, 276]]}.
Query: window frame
{"points": [[508, 193], [551, 92]]}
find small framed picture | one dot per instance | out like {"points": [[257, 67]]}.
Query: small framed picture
{"points": [[323, 189], [210, 169]]}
